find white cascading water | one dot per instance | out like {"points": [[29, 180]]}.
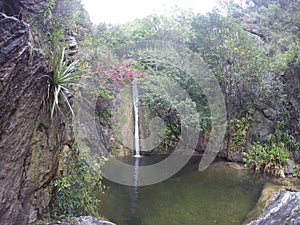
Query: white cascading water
{"points": [[135, 191], [137, 154], [135, 99]]}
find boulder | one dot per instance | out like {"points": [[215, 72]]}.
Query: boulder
{"points": [[89, 220], [290, 167], [266, 197], [285, 209], [261, 128]]}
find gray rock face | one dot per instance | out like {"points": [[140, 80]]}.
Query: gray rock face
{"points": [[88, 220], [270, 114], [285, 209], [261, 128], [29, 141]]}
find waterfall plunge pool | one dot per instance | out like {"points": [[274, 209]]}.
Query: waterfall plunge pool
{"points": [[220, 195]]}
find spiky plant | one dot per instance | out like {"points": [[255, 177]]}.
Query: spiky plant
{"points": [[64, 76]]}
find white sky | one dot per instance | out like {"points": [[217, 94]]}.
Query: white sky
{"points": [[122, 11]]}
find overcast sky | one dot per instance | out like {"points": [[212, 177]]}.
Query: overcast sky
{"points": [[121, 11]]}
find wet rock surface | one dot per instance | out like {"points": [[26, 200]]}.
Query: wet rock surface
{"points": [[285, 209], [89, 220], [266, 197], [82, 220]]}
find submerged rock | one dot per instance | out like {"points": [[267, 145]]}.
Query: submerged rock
{"points": [[82, 220], [237, 166], [285, 209]]}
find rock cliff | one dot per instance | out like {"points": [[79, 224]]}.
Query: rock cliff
{"points": [[29, 141]]}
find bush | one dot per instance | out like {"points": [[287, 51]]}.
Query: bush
{"points": [[269, 159], [239, 131], [272, 157], [75, 194], [296, 170]]}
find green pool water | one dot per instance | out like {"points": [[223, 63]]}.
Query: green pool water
{"points": [[219, 195]]}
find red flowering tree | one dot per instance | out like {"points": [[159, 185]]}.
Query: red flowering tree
{"points": [[118, 75]]}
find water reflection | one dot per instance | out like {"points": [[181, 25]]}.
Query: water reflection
{"points": [[134, 193], [218, 195]]}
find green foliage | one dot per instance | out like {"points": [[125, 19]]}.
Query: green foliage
{"points": [[290, 56], [70, 16], [65, 75], [296, 170], [104, 93], [282, 135], [76, 193], [267, 158], [237, 59], [277, 21], [240, 128], [251, 51], [272, 156], [167, 70], [48, 8], [105, 114], [152, 27]]}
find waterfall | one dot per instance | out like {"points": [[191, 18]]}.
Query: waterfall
{"points": [[137, 154], [135, 191], [135, 99]]}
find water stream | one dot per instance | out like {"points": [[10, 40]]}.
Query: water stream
{"points": [[219, 195], [135, 100]]}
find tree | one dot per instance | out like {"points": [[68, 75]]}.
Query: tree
{"points": [[237, 59], [279, 22], [166, 70]]}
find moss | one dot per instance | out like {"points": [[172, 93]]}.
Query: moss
{"points": [[37, 156]]}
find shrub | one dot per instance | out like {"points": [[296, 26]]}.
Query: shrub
{"points": [[239, 131], [296, 170], [266, 158], [272, 157], [76, 193]]}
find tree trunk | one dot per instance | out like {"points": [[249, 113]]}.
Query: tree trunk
{"points": [[229, 135]]}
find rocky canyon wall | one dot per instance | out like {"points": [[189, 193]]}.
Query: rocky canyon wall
{"points": [[30, 142]]}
